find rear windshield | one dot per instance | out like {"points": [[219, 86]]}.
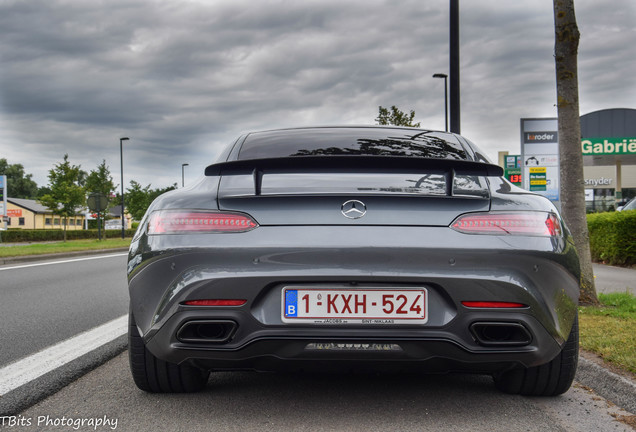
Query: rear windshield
{"points": [[352, 141]]}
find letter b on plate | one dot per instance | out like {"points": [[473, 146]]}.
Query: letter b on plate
{"points": [[291, 303]]}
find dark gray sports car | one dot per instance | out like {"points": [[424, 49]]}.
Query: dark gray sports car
{"points": [[353, 248]]}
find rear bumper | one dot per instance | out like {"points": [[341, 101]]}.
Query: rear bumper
{"points": [[281, 348], [539, 272]]}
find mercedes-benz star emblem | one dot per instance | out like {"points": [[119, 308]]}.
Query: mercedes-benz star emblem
{"points": [[353, 209]]}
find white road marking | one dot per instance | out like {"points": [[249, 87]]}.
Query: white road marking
{"points": [[62, 261], [29, 368]]}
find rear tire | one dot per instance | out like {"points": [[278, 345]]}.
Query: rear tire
{"points": [[551, 379], [157, 376]]}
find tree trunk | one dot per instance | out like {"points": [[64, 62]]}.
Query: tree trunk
{"points": [[571, 158]]}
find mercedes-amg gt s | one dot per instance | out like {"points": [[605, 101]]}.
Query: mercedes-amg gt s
{"points": [[364, 248]]}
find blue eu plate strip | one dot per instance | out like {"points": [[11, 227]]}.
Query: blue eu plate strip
{"points": [[291, 303]]}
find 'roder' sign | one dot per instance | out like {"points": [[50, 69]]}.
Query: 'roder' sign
{"points": [[608, 146], [541, 137]]}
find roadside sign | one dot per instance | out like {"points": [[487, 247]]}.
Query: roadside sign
{"points": [[97, 202], [538, 179], [512, 172], [540, 157]]}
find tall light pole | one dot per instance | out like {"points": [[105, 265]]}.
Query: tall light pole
{"points": [[121, 157], [455, 115], [182, 175], [441, 75]]}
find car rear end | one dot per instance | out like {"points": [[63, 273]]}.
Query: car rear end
{"points": [[354, 248]]}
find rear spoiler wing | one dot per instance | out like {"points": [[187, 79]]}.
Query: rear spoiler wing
{"points": [[354, 164]]}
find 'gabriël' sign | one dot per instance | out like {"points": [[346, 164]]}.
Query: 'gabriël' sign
{"points": [[608, 146]]}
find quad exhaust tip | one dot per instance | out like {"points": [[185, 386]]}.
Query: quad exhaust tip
{"points": [[500, 334], [207, 331]]}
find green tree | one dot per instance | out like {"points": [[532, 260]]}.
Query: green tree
{"points": [[66, 195], [99, 180], [571, 159], [19, 184], [139, 198], [42, 190], [395, 117]]}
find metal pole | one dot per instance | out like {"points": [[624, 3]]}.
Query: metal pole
{"points": [[455, 117], [446, 103], [121, 157], [441, 75], [182, 174]]}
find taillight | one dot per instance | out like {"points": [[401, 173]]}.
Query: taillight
{"points": [[512, 223], [192, 221]]}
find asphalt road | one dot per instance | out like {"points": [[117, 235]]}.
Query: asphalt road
{"points": [[47, 302], [249, 401]]}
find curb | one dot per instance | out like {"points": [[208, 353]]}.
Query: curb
{"points": [[32, 258], [613, 387], [18, 400]]}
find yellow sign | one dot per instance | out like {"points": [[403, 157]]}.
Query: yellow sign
{"points": [[538, 179], [537, 170]]}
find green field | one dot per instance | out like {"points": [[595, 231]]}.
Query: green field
{"points": [[609, 330]]}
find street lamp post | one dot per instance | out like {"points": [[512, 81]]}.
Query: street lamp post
{"points": [[121, 158], [182, 174], [455, 111], [441, 75]]}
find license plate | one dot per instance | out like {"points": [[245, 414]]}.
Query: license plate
{"points": [[359, 306]]}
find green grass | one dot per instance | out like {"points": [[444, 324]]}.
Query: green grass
{"points": [[609, 330], [58, 247]]}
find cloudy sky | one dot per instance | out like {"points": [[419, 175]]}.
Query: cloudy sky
{"points": [[182, 79]]}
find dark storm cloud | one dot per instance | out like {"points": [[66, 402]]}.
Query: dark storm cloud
{"points": [[183, 78], [606, 56], [64, 63]]}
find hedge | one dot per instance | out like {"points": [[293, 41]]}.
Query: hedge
{"points": [[20, 235], [613, 237]]}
